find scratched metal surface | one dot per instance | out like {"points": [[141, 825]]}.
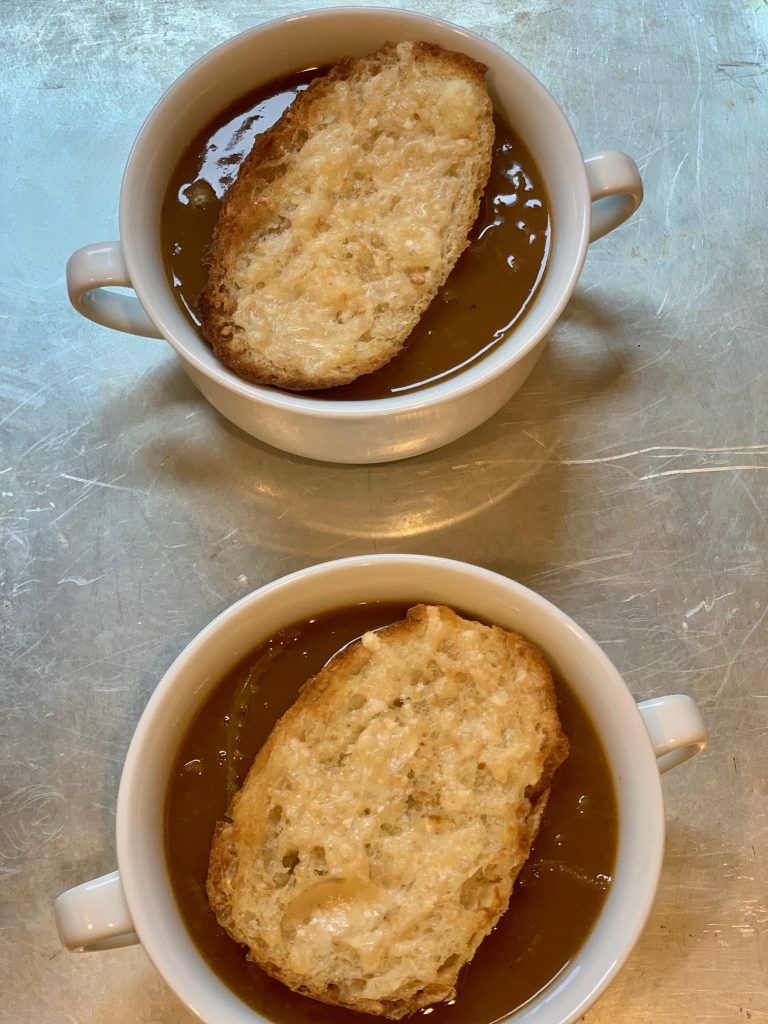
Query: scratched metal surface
{"points": [[626, 482]]}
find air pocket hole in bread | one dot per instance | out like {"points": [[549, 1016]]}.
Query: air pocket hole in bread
{"points": [[379, 832]]}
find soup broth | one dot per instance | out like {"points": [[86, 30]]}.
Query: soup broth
{"points": [[555, 901], [488, 291]]}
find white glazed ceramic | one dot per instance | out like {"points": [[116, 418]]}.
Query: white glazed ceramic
{"points": [[334, 431], [640, 741]]}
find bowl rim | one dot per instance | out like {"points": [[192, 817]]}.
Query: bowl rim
{"points": [[195, 985], [484, 372]]}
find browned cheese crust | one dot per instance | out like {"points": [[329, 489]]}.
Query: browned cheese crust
{"points": [[377, 837], [347, 216]]}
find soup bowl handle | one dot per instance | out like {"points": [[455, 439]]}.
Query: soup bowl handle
{"points": [[90, 273], [675, 727], [616, 190], [95, 916]]}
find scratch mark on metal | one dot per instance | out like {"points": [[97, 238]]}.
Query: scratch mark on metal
{"points": [[100, 483], [701, 469], [707, 605], [80, 581], [732, 661]]}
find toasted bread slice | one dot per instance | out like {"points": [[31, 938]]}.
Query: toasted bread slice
{"points": [[347, 216], [380, 830]]}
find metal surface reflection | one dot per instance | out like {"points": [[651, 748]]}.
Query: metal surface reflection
{"points": [[627, 480]]}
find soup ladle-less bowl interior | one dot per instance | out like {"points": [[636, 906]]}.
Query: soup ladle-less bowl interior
{"points": [[639, 741], [376, 430]]}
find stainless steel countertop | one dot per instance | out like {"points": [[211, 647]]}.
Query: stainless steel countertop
{"points": [[626, 482]]}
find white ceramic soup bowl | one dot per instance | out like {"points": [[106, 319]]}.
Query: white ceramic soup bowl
{"points": [[379, 430], [137, 903]]}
